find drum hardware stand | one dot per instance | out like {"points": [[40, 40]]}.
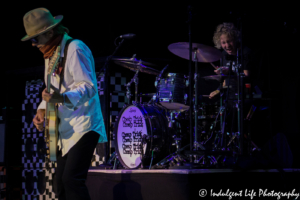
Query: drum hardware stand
{"points": [[143, 142], [240, 75], [207, 161], [223, 110], [174, 157], [219, 143], [190, 16], [135, 79], [251, 145], [197, 144], [234, 135], [196, 100], [157, 83]]}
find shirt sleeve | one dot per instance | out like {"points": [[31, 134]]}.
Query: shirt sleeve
{"points": [[81, 69], [42, 105]]}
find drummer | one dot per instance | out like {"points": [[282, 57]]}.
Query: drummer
{"points": [[227, 37]]}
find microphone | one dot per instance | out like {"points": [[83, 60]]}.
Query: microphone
{"points": [[128, 36]]}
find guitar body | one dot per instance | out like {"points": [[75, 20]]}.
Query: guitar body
{"points": [[51, 125], [51, 130]]}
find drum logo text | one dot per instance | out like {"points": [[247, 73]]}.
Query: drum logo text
{"points": [[127, 148], [138, 121], [127, 122], [132, 110]]}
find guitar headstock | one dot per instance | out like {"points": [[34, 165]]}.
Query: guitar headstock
{"points": [[53, 65]]}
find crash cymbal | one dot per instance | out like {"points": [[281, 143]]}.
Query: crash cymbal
{"points": [[132, 60], [219, 78], [204, 53], [138, 66]]}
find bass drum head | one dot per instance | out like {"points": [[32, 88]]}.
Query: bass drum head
{"points": [[135, 124], [131, 125]]}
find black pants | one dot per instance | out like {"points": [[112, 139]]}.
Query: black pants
{"points": [[72, 168]]}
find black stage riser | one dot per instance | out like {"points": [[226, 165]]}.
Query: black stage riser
{"points": [[161, 186]]}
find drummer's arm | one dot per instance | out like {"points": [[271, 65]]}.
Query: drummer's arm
{"points": [[246, 72]]}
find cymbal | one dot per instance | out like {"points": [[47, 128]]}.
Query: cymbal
{"points": [[133, 60], [138, 66], [204, 53], [219, 78]]}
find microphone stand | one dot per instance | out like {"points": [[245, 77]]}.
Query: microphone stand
{"points": [[105, 67], [106, 73]]}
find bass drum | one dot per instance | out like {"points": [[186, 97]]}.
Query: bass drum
{"points": [[140, 132]]}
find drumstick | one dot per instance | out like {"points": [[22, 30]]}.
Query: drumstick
{"points": [[205, 95], [213, 65]]}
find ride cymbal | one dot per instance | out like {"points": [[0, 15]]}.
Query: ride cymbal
{"points": [[204, 53]]}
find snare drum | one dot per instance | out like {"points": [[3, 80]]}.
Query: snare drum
{"points": [[140, 131], [172, 92]]}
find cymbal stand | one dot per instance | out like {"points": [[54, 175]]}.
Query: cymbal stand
{"points": [[222, 110], [136, 83], [128, 92], [196, 144], [240, 75], [240, 105], [157, 83], [190, 17], [223, 132]]}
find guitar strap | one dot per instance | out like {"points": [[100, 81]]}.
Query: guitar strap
{"points": [[64, 62], [61, 77]]}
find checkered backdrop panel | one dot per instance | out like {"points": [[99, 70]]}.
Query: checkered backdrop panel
{"points": [[2, 180], [34, 158], [32, 137]]}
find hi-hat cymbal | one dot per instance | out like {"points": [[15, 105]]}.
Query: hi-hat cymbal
{"points": [[204, 53], [219, 78]]}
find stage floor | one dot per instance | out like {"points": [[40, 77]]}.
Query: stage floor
{"points": [[193, 184]]}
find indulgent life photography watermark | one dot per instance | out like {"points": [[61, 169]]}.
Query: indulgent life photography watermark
{"points": [[249, 193]]}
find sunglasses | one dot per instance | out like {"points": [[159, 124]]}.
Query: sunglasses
{"points": [[34, 40]]}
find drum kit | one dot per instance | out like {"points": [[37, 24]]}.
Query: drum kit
{"points": [[156, 134]]}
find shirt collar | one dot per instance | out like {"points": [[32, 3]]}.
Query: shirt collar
{"points": [[63, 44]]}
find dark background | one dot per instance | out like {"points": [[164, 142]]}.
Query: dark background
{"points": [[271, 31]]}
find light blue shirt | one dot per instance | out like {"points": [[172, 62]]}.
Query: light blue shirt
{"points": [[80, 86]]}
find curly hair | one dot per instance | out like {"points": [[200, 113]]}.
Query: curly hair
{"points": [[228, 29]]}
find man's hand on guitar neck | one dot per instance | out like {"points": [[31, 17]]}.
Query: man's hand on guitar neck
{"points": [[38, 119], [52, 98]]}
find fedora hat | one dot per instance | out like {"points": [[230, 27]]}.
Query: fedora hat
{"points": [[39, 21]]}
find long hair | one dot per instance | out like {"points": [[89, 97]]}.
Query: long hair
{"points": [[228, 29], [60, 29]]}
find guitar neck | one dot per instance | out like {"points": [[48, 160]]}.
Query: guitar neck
{"points": [[53, 64]]}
